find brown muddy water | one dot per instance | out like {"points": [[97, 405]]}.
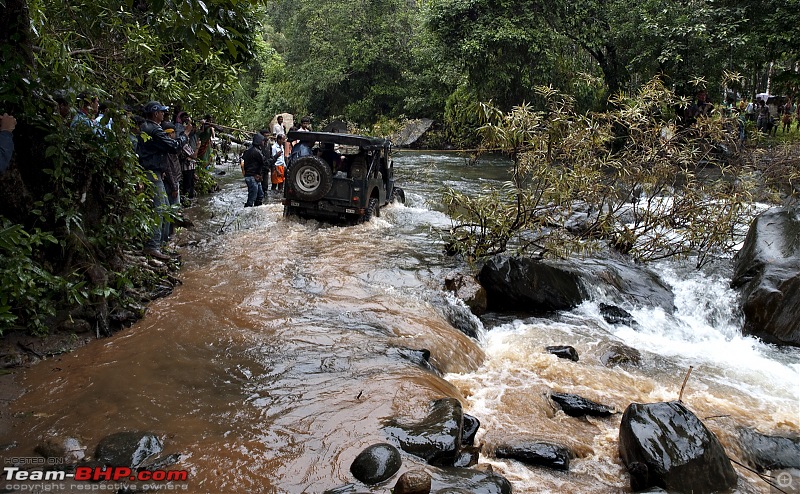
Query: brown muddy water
{"points": [[276, 361]]}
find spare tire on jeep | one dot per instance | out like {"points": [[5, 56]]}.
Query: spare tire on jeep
{"points": [[309, 178]]}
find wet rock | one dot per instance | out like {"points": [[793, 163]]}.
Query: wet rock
{"points": [[346, 489], [534, 286], [619, 354], [666, 445], [767, 270], [563, 351], [467, 457], [413, 482], [616, 315], [469, 429], [468, 289], [539, 454], [128, 449], [461, 318], [765, 452], [77, 326], [420, 357], [67, 450], [468, 480], [376, 463], [530, 286], [437, 438], [413, 130], [577, 406]]}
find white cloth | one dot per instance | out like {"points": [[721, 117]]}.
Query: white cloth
{"points": [[275, 148]]}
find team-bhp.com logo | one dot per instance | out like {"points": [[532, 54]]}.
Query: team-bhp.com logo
{"points": [[122, 477]]}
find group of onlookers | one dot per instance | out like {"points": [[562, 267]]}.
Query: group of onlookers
{"points": [[264, 163]]}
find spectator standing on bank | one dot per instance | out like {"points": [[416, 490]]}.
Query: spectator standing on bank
{"points": [[89, 106], [172, 180], [153, 151], [279, 163], [188, 159], [205, 136], [253, 169], [7, 125], [278, 127]]}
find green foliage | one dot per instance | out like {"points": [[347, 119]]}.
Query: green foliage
{"points": [[632, 178]]}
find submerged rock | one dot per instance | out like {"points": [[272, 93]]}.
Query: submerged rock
{"points": [[666, 445], [616, 315], [413, 482], [563, 351], [619, 354], [468, 480], [128, 449], [437, 438], [67, 450], [768, 272], [577, 406], [420, 357], [376, 463], [764, 452], [538, 454]]}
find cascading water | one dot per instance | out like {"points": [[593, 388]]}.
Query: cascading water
{"points": [[279, 358]]}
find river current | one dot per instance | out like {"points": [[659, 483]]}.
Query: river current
{"points": [[277, 360]]}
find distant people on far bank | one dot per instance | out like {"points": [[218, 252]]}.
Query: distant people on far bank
{"points": [[7, 125], [87, 111]]}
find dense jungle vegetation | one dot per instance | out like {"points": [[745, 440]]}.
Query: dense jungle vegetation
{"points": [[72, 203]]}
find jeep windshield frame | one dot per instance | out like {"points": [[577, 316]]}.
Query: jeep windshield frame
{"points": [[367, 143]]}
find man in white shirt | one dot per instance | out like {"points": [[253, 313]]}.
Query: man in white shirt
{"points": [[278, 127]]}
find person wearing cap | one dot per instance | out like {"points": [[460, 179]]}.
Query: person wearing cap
{"points": [[253, 169], [153, 147]]}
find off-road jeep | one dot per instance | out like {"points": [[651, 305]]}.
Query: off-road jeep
{"points": [[339, 177]]}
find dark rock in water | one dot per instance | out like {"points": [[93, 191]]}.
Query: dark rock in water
{"points": [[420, 357], [626, 283], [437, 438], [467, 457], [767, 270], [530, 286], [376, 463], [162, 462], [577, 406], [563, 351], [765, 452], [469, 429], [539, 454], [619, 354], [467, 480], [616, 315], [460, 318], [66, 450], [467, 289], [413, 482], [666, 445], [128, 449]]}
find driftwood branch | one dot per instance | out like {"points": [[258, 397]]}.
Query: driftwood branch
{"points": [[685, 379]]}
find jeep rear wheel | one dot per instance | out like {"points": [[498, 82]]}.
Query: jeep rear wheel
{"points": [[309, 178], [372, 210]]}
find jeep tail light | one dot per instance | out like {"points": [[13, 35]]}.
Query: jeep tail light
{"points": [[355, 199]]}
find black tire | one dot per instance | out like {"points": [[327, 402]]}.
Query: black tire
{"points": [[288, 211], [373, 209], [398, 195], [309, 178]]}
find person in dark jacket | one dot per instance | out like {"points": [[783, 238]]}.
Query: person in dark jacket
{"points": [[153, 147], [253, 168]]}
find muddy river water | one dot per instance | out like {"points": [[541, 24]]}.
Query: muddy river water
{"points": [[276, 361]]}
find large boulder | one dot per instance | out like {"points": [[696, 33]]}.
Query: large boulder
{"points": [[437, 438], [527, 285], [536, 286], [767, 270], [413, 130], [666, 445]]}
